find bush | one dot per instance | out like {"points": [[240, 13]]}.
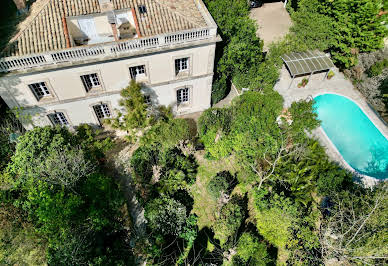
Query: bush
{"points": [[166, 215], [178, 171], [228, 220], [220, 183], [250, 249], [167, 134], [377, 68], [220, 89]]}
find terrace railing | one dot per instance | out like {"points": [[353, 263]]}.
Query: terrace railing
{"points": [[99, 51]]}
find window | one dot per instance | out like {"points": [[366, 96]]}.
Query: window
{"points": [[102, 111], [147, 99], [182, 96], [142, 9], [40, 90], [58, 118], [90, 81], [181, 64], [137, 70]]}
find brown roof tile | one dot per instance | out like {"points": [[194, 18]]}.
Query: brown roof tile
{"points": [[43, 30]]}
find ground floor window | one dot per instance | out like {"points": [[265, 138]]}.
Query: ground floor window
{"points": [[58, 118], [102, 111], [182, 96]]}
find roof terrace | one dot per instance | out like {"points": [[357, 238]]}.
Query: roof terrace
{"points": [[74, 31]]}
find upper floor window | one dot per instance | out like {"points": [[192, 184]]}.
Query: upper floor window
{"points": [[58, 118], [102, 111], [90, 81], [181, 64], [137, 71], [142, 9], [40, 90], [182, 96]]}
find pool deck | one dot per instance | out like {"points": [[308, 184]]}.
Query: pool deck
{"points": [[337, 85]]}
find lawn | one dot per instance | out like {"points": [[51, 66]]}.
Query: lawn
{"points": [[204, 205]]}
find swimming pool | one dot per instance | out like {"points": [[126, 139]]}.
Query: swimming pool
{"points": [[356, 138]]}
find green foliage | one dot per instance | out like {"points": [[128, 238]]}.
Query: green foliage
{"points": [[164, 171], [357, 28], [221, 183], [62, 192], [166, 216], [5, 150], [377, 68], [136, 115], [178, 171], [35, 146], [303, 118], [274, 218], [362, 214], [241, 58], [228, 220], [249, 123], [312, 30], [251, 250], [167, 133], [19, 244], [220, 89]]}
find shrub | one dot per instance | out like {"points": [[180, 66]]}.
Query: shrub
{"points": [[330, 74], [228, 220], [220, 89], [178, 171], [167, 134], [249, 248], [274, 218], [220, 183], [303, 83], [166, 215], [377, 68]]}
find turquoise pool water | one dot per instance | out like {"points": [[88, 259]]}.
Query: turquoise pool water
{"points": [[360, 143]]}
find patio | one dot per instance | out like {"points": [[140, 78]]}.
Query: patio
{"points": [[318, 84], [273, 22]]}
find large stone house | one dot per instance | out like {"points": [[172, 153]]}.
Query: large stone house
{"points": [[70, 59]]}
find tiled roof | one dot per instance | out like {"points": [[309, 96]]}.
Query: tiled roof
{"points": [[43, 30]]}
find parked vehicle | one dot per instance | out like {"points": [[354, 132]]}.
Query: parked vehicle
{"points": [[255, 3]]}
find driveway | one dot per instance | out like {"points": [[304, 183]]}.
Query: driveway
{"points": [[273, 22]]}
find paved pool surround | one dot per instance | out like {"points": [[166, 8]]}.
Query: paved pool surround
{"points": [[337, 85]]}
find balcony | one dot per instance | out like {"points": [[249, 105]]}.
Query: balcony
{"points": [[104, 50]]}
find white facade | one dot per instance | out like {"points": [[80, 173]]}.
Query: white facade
{"points": [[157, 62]]}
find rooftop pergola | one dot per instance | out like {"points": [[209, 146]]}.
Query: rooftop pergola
{"points": [[308, 62]]}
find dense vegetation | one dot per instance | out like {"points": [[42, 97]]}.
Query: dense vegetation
{"points": [[57, 205], [247, 186]]}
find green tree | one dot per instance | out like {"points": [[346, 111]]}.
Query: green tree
{"points": [[275, 218], [311, 29], [228, 220], [358, 28], [251, 250], [166, 216], [136, 115], [355, 231], [64, 195]]}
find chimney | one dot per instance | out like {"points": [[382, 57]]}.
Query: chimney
{"points": [[106, 5], [20, 4]]}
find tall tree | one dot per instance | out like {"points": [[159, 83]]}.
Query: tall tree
{"points": [[358, 27]]}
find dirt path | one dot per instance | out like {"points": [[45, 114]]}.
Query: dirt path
{"points": [[118, 166]]}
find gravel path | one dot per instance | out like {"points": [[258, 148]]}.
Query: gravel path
{"points": [[118, 166]]}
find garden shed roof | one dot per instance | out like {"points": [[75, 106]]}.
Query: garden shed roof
{"points": [[307, 62]]}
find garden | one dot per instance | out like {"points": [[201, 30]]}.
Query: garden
{"points": [[246, 185]]}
